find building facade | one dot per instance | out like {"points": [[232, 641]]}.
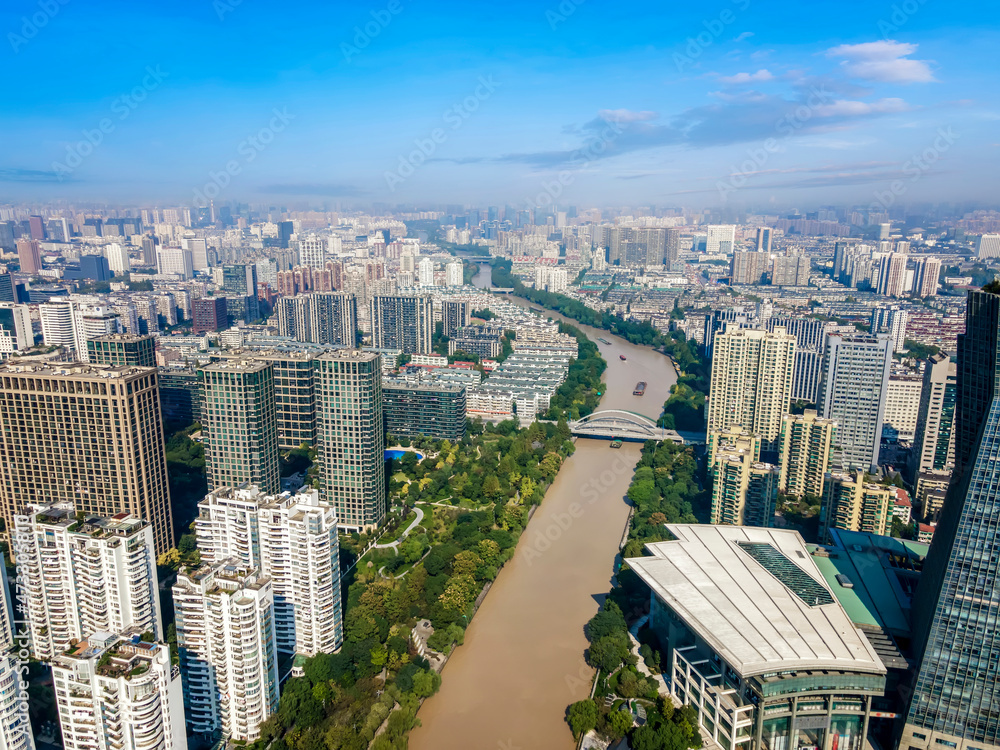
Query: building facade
{"points": [[85, 576], [292, 539], [751, 382], [805, 450], [239, 424], [90, 435], [351, 436], [228, 654], [119, 693], [755, 682], [433, 409], [122, 349], [855, 381], [934, 444], [404, 322], [852, 503]]}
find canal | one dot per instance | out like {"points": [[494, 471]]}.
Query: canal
{"points": [[522, 663]]}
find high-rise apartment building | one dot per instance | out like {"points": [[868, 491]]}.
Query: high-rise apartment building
{"points": [[902, 406], [855, 381], [988, 246], [333, 318], [934, 444], [351, 436], [805, 451], [748, 267], [122, 349], [764, 237], [292, 539], [312, 251], [228, 653], [239, 424], [425, 272], [148, 250], [455, 315], [751, 383], [892, 274], [851, 503], [89, 435], [239, 285], [404, 322], [29, 256], [790, 270], [891, 320], [454, 273], [118, 692], [732, 436], [956, 608], [118, 260], [15, 328], [926, 275], [85, 575], [672, 246], [744, 490]]}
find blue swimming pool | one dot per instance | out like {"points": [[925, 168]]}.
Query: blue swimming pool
{"points": [[400, 454]]}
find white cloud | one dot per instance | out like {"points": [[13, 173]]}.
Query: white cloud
{"points": [[626, 115], [887, 61], [744, 35], [759, 77], [849, 108]]}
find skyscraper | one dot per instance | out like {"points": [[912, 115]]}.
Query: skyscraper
{"points": [[259, 530], [891, 320], [118, 260], [934, 446], [239, 425], [855, 381], [751, 382], [334, 318], [29, 255], [454, 273], [228, 653], [892, 274], [748, 267], [806, 448], [455, 315], [85, 576], [239, 284], [672, 246], [926, 274], [744, 490], [351, 436], [90, 435], [720, 239], [175, 261], [209, 314], [404, 322], [764, 239], [957, 607]]}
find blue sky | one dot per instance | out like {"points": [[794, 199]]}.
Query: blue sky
{"points": [[748, 103]]}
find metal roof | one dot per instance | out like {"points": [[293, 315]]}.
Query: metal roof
{"points": [[755, 615]]}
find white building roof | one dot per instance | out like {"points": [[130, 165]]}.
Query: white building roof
{"points": [[744, 611]]}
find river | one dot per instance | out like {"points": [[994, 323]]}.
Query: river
{"points": [[522, 663]]}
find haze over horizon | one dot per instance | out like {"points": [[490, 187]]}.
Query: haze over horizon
{"points": [[590, 103]]}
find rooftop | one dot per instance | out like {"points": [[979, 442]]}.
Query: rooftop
{"points": [[757, 598]]}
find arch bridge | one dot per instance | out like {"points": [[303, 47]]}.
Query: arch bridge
{"points": [[612, 424]]}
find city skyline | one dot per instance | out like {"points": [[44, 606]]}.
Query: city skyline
{"points": [[736, 105]]}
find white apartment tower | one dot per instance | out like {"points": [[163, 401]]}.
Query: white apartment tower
{"points": [[292, 539], [84, 576], [425, 272], [720, 239], [119, 693], [312, 252], [228, 657], [925, 277], [453, 273], [751, 384], [118, 260], [855, 382]]}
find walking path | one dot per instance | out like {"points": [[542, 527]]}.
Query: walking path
{"points": [[401, 537]]}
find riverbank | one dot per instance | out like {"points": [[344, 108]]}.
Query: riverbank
{"points": [[522, 660]]}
